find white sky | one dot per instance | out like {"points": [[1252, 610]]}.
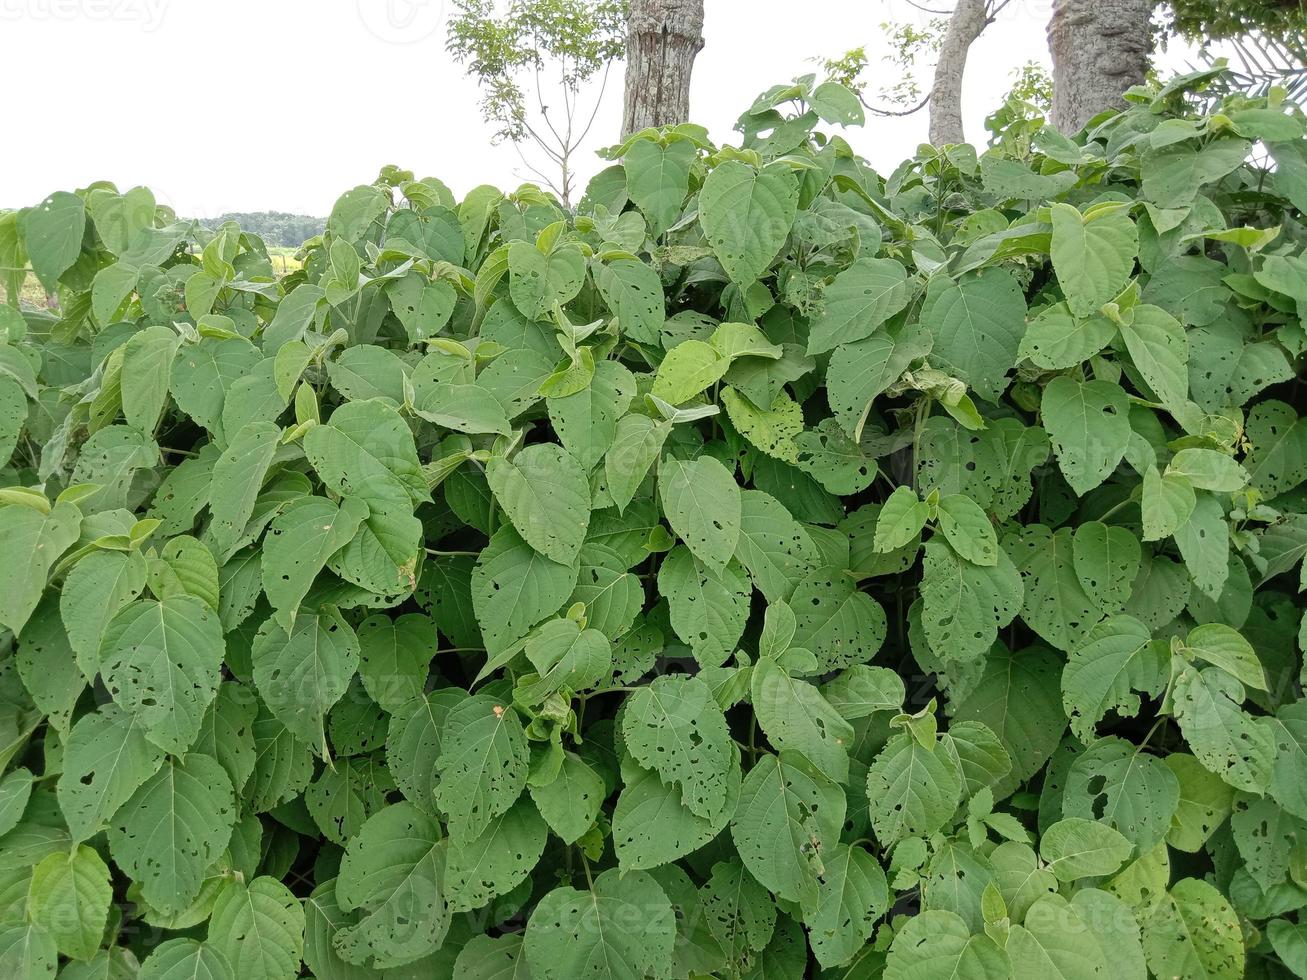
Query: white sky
{"points": [[250, 105]]}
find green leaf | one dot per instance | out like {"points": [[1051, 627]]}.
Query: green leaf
{"points": [[28, 951], [366, 450], [623, 929], [259, 929], [746, 216], [637, 442], [1192, 931], [539, 281], [1223, 647], [1205, 802], [238, 477], [186, 959], [771, 430], [657, 179], [773, 546], [912, 789], [634, 292], [1277, 454], [966, 527], [740, 912], [937, 943], [301, 674], [860, 371], [1088, 425], [514, 587], [497, 861], [1116, 659], [395, 657], [500, 958], [1236, 746], [675, 727], [1055, 339], [392, 873], [482, 765], [796, 718], [147, 372], [1079, 848], [1093, 255], [571, 802], [840, 625], [964, 605], [708, 607], [1106, 559], [173, 829], [69, 898], [689, 368], [587, 422], [35, 540], [1160, 350], [857, 302], [1055, 604], [106, 759], [161, 661], [652, 827], [788, 817], [703, 505], [53, 233], [1207, 469], [413, 743], [854, 895], [1055, 941], [1123, 787], [544, 492], [977, 325], [300, 540]]}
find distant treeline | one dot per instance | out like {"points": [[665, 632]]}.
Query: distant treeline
{"points": [[274, 227]]}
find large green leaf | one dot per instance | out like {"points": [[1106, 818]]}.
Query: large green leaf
{"points": [[746, 216], [787, 817], [173, 828], [35, 540], [703, 504], [1093, 254], [544, 492], [301, 674], [259, 929], [674, 726], [860, 299], [161, 660], [976, 324], [622, 928], [69, 898], [1088, 426], [482, 765]]}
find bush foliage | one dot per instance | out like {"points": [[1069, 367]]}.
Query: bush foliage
{"points": [[772, 570]]}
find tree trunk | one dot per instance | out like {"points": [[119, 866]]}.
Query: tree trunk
{"points": [[662, 39], [1100, 48], [966, 24]]}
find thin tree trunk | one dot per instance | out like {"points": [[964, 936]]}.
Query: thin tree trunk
{"points": [[966, 24], [1100, 48], [662, 39]]}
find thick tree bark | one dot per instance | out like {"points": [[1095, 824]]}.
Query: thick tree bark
{"points": [[1100, 48], [968, 21], [662, 39]]}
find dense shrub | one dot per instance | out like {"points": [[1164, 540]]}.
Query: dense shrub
{"points": [[771, 570]]}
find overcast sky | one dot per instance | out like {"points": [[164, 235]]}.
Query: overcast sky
{"points": [[248, 105]]}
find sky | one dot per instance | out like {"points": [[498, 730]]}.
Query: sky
{"points": [[251, 105]]}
